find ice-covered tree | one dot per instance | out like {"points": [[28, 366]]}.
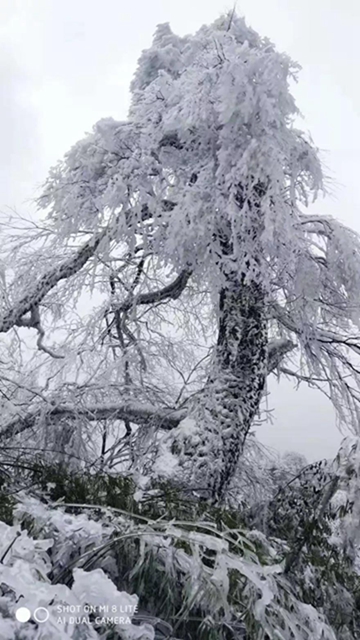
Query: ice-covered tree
{"points": [[188, 225], [173, 267]]}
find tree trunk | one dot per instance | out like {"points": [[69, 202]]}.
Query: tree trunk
{"points": [[242, 368], [239, 372]]}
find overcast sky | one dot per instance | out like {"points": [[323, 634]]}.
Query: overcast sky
{"points": [[64, 64]]}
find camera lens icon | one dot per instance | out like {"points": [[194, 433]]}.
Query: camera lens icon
{"points": [[40, 615]]}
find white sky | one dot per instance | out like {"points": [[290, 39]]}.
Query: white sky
{"points": [[64, 64]]}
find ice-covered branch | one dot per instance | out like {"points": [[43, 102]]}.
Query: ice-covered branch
{"points": [[140, 414], [165, 419], [314, 332], [48, 281], [34, 322], [277, 349], [171, 292]]}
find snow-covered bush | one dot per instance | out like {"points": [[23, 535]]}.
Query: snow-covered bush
{"points": [[58, 611], [204, 571]]}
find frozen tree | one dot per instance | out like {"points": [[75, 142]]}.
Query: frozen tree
{"points": [[187, 225], [173, 267]]}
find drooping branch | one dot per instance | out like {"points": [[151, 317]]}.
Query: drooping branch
{"points": [[48, 281], [331, 363], [314, 333], [138, 414], [165, 419]]}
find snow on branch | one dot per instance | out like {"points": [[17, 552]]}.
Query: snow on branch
{"points": [[140, 414], [48, 281], [171, 292], [34, 323], [277, 349], [165, 419]]}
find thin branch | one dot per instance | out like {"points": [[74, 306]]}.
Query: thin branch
{"points": [[34, 323]]}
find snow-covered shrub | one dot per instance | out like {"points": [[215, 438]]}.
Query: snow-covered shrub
{"points": [[205, 575], [62, 612]]}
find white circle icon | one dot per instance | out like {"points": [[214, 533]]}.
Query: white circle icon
{"points": [[41, 614], [22, 614]]}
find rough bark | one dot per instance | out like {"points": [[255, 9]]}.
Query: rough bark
{"points": [[240, 367]]}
